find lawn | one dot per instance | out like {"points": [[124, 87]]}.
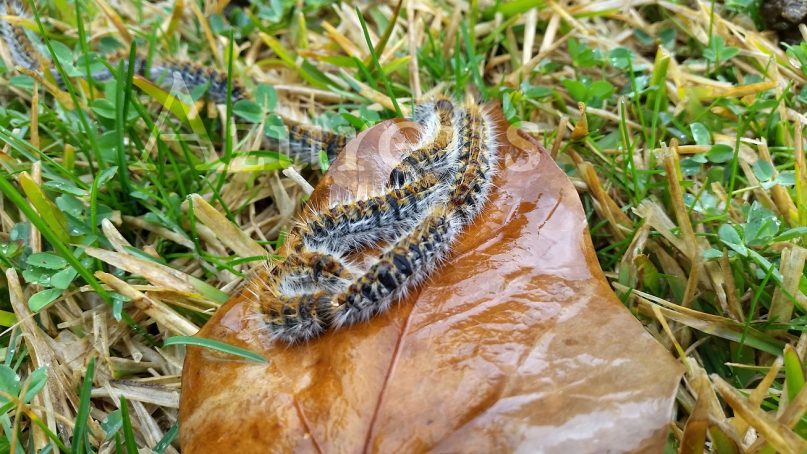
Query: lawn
{"points": [[127, 215]]}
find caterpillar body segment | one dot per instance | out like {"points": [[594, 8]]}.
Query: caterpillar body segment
{"points": [[399, 270], [474, 177], [295, 319], [430, 156], [369, 221], [308, 271]]}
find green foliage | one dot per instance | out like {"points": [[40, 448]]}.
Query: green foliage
{"points": [[215, 345], [10, 385], [720, 153], [81, 443], [583, 56], [718, 52], [592, 94], [799, 53]]}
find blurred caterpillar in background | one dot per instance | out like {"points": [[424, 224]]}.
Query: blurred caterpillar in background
{"points": [[431, 196], [302, 142]]}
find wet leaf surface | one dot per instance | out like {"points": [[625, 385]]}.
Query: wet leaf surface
{"points": [[518, 342]]}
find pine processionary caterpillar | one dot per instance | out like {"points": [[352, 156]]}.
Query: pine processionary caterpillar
{"points": [[302, 142], [434, 153], [19, 45], [377, 219], [411, 258], [399, 269], [477, 165]]}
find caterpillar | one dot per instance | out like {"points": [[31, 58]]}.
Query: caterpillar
{"points": [[381, 218], [476, 166], [302, 142], [399, 269], [433, 154], [19, 45], [466, 173]]}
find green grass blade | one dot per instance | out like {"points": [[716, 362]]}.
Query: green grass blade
{"points": [[80, 435], [124, 95], [215, 345], [45, 208], [382, 43], [794, 375], [378, 68], [165, 442], [128, 431]]}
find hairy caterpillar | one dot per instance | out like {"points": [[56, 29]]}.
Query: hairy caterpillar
{"points": [[365, 222], [399, 269], [433, 154], [476, 166], [19, 45], [465, 177], [302, 142]]}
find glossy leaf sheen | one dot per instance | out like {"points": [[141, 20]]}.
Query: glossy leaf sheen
{"points": [[517, 343]]}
